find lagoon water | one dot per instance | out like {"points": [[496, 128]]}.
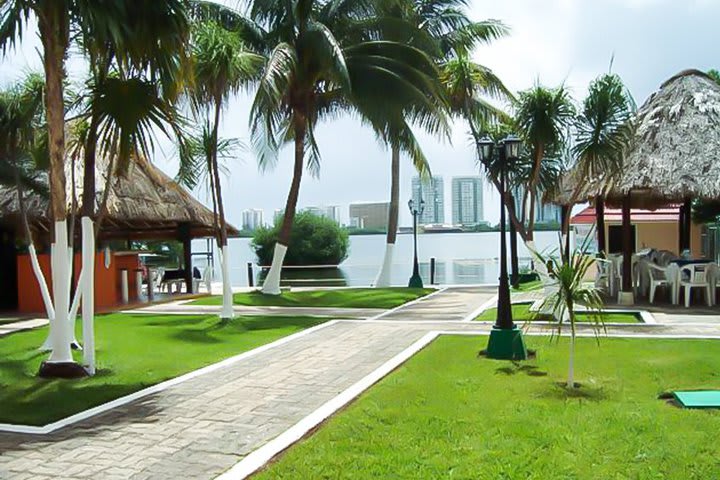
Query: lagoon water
{"points": [[461, 258]]}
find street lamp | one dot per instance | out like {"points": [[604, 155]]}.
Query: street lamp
{"points": [[506, 341], [416, 211]]}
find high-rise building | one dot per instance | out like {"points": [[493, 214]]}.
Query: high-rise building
{"points": [[332, 212], [544, 213], [433, 193], [371, 215], [278, 215], [467, 200], [252, 219]]}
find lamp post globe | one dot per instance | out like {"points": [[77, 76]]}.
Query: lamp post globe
{"points": [[416, 211]]}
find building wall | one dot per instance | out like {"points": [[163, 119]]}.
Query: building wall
{"points": [[663, 236], [467, 200], [107, 281], [369, 215], [433, 193]]}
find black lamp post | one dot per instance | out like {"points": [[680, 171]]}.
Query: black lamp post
{"points": [[506, 340], [416, 211]]}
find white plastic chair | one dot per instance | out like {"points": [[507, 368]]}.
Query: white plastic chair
{"points": [[603, 276], [694, 276], [204, 280], [712, 274], [660, 277]]}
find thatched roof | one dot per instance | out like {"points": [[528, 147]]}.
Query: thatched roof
{"points": [[144, 204], [675, 151]]}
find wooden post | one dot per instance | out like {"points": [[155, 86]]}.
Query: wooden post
{"points": [[688, 224], [681, 229], [565, 220], [186, 239], [627, 245], [600, 223]]}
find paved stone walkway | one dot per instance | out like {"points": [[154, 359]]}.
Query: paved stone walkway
{"points": [[22, 325], [332, 312], [200, 428]]}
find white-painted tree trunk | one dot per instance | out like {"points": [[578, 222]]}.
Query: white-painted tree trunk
{"points": [[384, 276], [88, 289], [571, 366], [40, 277], [48, 343], [60, 335], [271, 286], [227, 307]]}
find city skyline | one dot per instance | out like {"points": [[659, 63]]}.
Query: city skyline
{"points": [[469, 188]]}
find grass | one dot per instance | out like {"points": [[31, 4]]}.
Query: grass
{"points": [[340, 298], [448, 414], [528, 286], [521, 313], [133, 352]]}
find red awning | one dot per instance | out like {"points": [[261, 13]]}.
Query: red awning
{"points": [[669, 214]]}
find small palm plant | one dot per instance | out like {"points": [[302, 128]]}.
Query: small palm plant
{"points": [[572, 291]]}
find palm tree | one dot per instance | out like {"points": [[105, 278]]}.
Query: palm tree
{"points": [[602, 132], [58, 22], [222, 66], [325, 57], [572, 291], [443, 30], [543, 118]]}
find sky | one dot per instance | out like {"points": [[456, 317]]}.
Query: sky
{"points": [[552, 42]]}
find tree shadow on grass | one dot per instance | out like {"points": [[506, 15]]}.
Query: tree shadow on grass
{"points": [[560, 391], [516, 368]]}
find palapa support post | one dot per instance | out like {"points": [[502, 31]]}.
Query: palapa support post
{"points": [[565, 220], [687, 225], [681, 229], [626, 296], [186, 239], [600, 223]]}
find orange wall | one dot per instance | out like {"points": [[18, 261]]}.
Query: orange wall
{"points": [[107, 281]]}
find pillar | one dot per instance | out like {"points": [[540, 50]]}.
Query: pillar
{"points": [[600, 223], [626, 296], [186, 239]]}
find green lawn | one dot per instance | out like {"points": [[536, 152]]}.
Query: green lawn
{"points": [[133, 352], [448, 414], [528, 286], [341, 298], [521, 314]]}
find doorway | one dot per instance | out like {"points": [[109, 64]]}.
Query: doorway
{"points": [[615, 243], [8, 271]]}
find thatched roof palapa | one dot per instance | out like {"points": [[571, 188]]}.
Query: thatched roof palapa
{"points": [[144, 204], [674, 152]]}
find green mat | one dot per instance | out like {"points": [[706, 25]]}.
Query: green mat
{"points": [[699, 399]]}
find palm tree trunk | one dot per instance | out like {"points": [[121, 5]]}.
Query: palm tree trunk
{"points": [[227, 308], [531, 191], [39, 276], [53, 23], [384, 277], [514, 263], [272, 281]]}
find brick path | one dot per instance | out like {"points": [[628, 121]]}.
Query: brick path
{"points": [[200, 428]]}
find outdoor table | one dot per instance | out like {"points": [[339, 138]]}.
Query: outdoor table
{"points": [[681, 262]]}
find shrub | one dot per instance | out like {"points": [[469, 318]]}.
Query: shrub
{"points": [[314, 240]]}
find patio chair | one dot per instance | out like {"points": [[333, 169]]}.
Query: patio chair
{"points": [[694, 276], [603, 275], [203, 280], [712, 273], [661, 277]]}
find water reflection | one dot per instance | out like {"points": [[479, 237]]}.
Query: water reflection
{"points": [[471, 271]]}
